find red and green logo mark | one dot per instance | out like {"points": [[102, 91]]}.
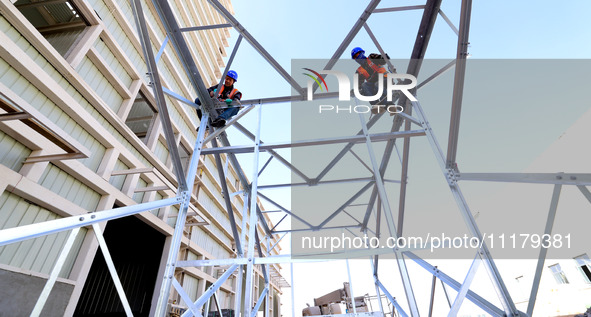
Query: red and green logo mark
{"points": [[316, 78]]}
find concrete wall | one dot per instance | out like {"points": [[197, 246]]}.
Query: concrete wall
{"points": [[19, 293]]}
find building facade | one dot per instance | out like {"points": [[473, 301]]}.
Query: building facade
{"points": [[80, 132]]}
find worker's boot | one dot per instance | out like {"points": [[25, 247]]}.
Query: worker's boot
{"points": [[218, 123]]}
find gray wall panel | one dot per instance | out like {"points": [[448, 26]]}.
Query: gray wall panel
{"points": [[12, 153], [39, 254], [18, 294]]}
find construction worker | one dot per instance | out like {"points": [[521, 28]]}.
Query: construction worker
{"points": [[371, 70], [226, 94]]}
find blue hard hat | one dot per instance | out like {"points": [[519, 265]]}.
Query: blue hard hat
{"points": [[356, 50], [232, 74]]}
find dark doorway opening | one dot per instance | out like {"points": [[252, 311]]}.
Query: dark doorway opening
{"points": [[136, 249]]}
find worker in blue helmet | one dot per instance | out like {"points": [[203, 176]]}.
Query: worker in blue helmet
{"points": [[371, 69], [227, 94]]}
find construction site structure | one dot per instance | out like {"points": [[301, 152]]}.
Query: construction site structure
{"points": [[81, 131], [337, 302], [91, 139]]}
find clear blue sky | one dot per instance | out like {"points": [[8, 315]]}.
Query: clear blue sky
{"points": [[501, 29]]}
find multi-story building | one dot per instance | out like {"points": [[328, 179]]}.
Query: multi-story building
{"points": [[80, 132]]}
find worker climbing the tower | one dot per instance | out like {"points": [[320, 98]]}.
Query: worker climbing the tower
{"points": [[370, 71], [227, 94]]}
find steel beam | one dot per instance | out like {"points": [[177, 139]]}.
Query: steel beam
{"points": [[292, 290], [194, 309], [260, 252], [253, 220], [275, 154], [437, 74], [585, 192], [55, 271], [458, 92], [259, 302], [392, 299], [35, 230], [352, 298], [455, 308], [533, 178], [423, 36], [316, 229], [111, 267], [391, 67], [144, 37], [217, 304], [543, 251], [229, 63], [175, 34], [396, 9], [350, 139], [351, 35], [420, 47], [343, 206], [263, 221], [410, 297], [432, 299], [346, 149], [180, 222], [403, 178], [448, 21], [444, 278], [212, 289], [449, 174], [336, 181], [285, 210], [161, 51], [206, 27], [226, 195], [256, 45]]}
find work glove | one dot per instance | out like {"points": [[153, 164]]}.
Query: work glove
{"points": [[229, 101]]}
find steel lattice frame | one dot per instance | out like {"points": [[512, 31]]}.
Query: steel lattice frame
{"points": [[246, 256]]}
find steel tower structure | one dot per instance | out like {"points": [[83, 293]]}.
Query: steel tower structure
{"points": [[412, 123]]}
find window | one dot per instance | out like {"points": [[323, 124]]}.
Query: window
{"points": [[584, 266], [558, 274], [59, 21], [141, 117]]}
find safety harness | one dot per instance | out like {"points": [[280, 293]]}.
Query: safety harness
{"points": [[375, 67], [232, 93]]}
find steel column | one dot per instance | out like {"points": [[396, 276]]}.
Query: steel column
{"points": [[140, 20], [449, 174], [392, 299], [212, 289], [186, 297], [410, 297], [444, 278], [57, 267], [180, 222], [455, 308], [351, 288], [458, 92], [259, 302], [253, 220], [111, 266], [226, 195], [432, 299], [543, 251]]}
